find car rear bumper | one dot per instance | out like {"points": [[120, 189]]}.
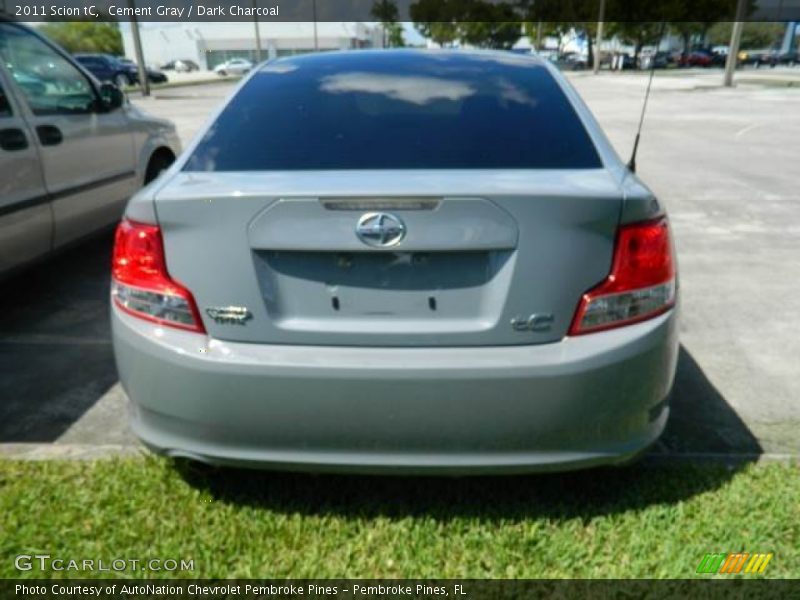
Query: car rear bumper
{"points": [[584, 401]]}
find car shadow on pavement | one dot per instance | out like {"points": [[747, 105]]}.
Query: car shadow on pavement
{"points": [[56, 359], [701, 420], [56, 362], [702, 423]]}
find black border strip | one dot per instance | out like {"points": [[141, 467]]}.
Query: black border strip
{"points": [[728, 588], [430, 11]]}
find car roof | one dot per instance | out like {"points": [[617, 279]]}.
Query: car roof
{"points": [[451, 57], [92, 55]]}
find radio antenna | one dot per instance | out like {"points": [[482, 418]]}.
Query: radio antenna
{"points": [[632, 161]]}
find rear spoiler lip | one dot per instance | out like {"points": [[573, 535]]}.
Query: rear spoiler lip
{"points": [[588, 183]]}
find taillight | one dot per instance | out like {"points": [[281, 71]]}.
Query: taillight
{"points": [[641, 284], [140, 283]]}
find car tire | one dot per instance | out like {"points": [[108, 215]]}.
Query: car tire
{"points": [[223, 73], [121, 80], [160, 161]]}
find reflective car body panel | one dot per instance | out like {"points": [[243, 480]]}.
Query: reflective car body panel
{"points": [[586, 401], [495, 246], [402, 306]]}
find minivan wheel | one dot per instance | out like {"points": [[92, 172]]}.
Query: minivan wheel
{"points": [[160, 161]]}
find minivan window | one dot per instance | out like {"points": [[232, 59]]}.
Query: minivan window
{"points": [[397, 110], [48, 81]]}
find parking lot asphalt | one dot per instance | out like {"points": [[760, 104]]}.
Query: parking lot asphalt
{"points": [[724, 162]]}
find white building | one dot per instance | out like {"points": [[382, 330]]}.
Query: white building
{"points": [[209, 44]]}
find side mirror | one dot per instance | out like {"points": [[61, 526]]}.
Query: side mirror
{"points": [[111, 96]]}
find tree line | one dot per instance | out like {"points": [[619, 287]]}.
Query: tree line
{"points": [[500, 24]]}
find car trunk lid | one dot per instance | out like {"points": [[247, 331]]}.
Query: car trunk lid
{"points": [[490, 257]]}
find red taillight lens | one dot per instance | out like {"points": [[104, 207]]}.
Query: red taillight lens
{"points": [[140, 283], [641, 284]]}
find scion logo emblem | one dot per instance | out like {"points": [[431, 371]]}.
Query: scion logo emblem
{"points": [[229, 315], [380, 229]]}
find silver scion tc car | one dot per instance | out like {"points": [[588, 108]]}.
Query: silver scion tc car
{"points": [[398, 261]]}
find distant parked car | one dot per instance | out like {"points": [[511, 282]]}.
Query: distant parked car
{"points": [[573, 61], [186, 66], [776, 57], [695, 58], [119, 71], [749, 57], [153, 75], [235, 66], [659, 60], [547, 54], [181, 66], [718, 59], [623, 61], [108, 68], [768, 56], [72, 149]]}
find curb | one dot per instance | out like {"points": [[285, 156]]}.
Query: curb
{"points": [[56, 451], [25, 451]]}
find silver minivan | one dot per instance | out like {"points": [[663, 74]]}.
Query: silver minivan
{"points": [[400, 261], [72, 150]]}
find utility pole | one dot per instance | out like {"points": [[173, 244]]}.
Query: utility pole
{"points": [[314, 8], [600, 19], [736, 39], [144, 82], [383, 26], [258, 35]]}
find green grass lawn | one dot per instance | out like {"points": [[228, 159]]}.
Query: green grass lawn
{"points": [[642, 521]]}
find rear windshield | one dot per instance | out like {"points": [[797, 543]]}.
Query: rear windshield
{"points": [[397, 110]]}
